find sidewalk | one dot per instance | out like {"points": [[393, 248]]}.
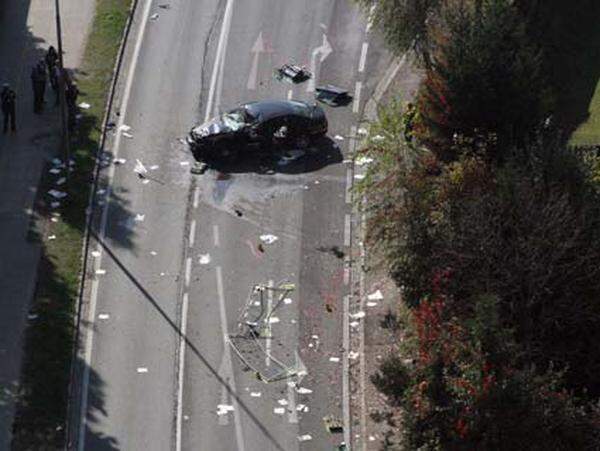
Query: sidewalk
{"points": [[27, 29]]}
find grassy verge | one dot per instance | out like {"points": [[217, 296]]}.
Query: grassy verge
{"points": [[42, 401]]}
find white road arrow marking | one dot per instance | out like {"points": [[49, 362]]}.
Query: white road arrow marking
{"points": [[257, 49], [323, 50]]}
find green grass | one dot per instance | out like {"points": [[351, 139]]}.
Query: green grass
{"points": [[588, 133], [42, 401]]}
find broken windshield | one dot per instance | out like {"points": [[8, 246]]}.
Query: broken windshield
{"points": [[234, 120]]}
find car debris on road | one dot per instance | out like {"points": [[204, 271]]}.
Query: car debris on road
{"points": [[333, 95], [293, 73]]}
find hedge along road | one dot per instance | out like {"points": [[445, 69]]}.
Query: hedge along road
{"points": [[156, 229]]}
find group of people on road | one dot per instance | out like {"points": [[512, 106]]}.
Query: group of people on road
{"points": [[47, 69]]}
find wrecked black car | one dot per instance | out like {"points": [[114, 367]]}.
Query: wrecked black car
{"points": [[264, 126]]}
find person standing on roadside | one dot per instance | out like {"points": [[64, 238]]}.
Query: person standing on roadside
{"points": [[43, 78], [8, 100], [71, 95], [51, 62], [38, 83]]}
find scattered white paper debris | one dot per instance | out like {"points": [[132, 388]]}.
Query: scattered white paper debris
{"points": [[118, 161], [61, 180], [357, 315], [377, 138], [57, 194], [304, 391], [100, 272], [279, 410], [371, 438], [142, 369], [101, 192], [255, 394], [54, 171], [95, 254], [310, 345], [222, 409], [302, 408], [375, 296], [139, 167], [304, 438], [334, 359], [153, 253], [317, 182], [154, 16], [127, 135], [273, 320], [314, 337], [32, 316], [184, 163], [145, 182], [54, 219], [204, 259], [362, 131], [124, 128], [372, 304], [103, 316], [84, 106], [352, 355], [338, 137], [139, 217], [361, 161], [56, 161], [52, 237], [287, 301], [55, 204], [359, 176], [291, 384], [282, 402], [154, 167], [354, 324], [268, 239]]}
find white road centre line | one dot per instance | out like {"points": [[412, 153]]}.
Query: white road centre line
{"points": [[269, 331], [346, 370], [192, 233], [188, 271], [357, 92], [216, 237], [363, 57], [227, 358], [348, 195], [219, 59], [347, 269], [290, 94], [370, 18], [182, 338], [102, 233], [196, 197], [347, 229]]}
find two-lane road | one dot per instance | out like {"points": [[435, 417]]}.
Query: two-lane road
{"points": [[179, 254]]}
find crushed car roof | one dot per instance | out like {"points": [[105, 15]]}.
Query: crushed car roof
{"points": [[269, 109]]}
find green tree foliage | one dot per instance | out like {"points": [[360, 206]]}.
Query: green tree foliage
{"points": [[484, 78], [404, 23]]}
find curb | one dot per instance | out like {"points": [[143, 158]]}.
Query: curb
{"points": [[73, 394]]}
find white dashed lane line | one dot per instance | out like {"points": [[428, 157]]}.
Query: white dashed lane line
{"points": [[188, 271], [363, 57], [192, 233], [357, 92]]}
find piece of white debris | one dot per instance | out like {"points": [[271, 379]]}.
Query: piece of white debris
{"points": [[371, 438], [61, 180], [145, 182], [118, 161], [371, 304], [361, 161], [282, 402], [361, 131], [154, 16], [359, 176], [302, 408], [124, 128], [54, 204], [100, 272], [375, 296], [353, 355], [101, 192], [54, 171], [142, 369], [139, 168], [84, 106], [51, 237], [357, 315], [304, 391], [334, 359], [310, 345], [279, 410], [153, 253], [222, 409], [57, 194], [304, 438], [204, 259], [354, 324], [273, 320], [287, 301], [54, 219], [139, 217], [377, 138], [255, 394], [184, 163], [32, 316], [127, 135], [95, 254], [268, 239], [154, 167], [57, 162], [103, 316], [314, 337], [317, 182], [338, 137]]}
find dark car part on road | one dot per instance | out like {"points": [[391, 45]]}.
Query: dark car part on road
{"points": [[333, 95], [265, 126], [293, 73]]}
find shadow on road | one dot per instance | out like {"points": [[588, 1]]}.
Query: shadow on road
{"points": [[274, 444]]}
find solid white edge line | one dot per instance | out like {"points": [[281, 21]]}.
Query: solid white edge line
{"points": [[269, 307], [348, 194], [361, 339], [178, 432], [218, 58], [347, 224], [227, 356], [357, 91], [346, 371], [196, 197], [216, 237], [363, 57], [192, 233], [188, 271], [102, 233]]}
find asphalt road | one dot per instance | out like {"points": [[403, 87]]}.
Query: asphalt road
{"points": [[179, 254]]}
